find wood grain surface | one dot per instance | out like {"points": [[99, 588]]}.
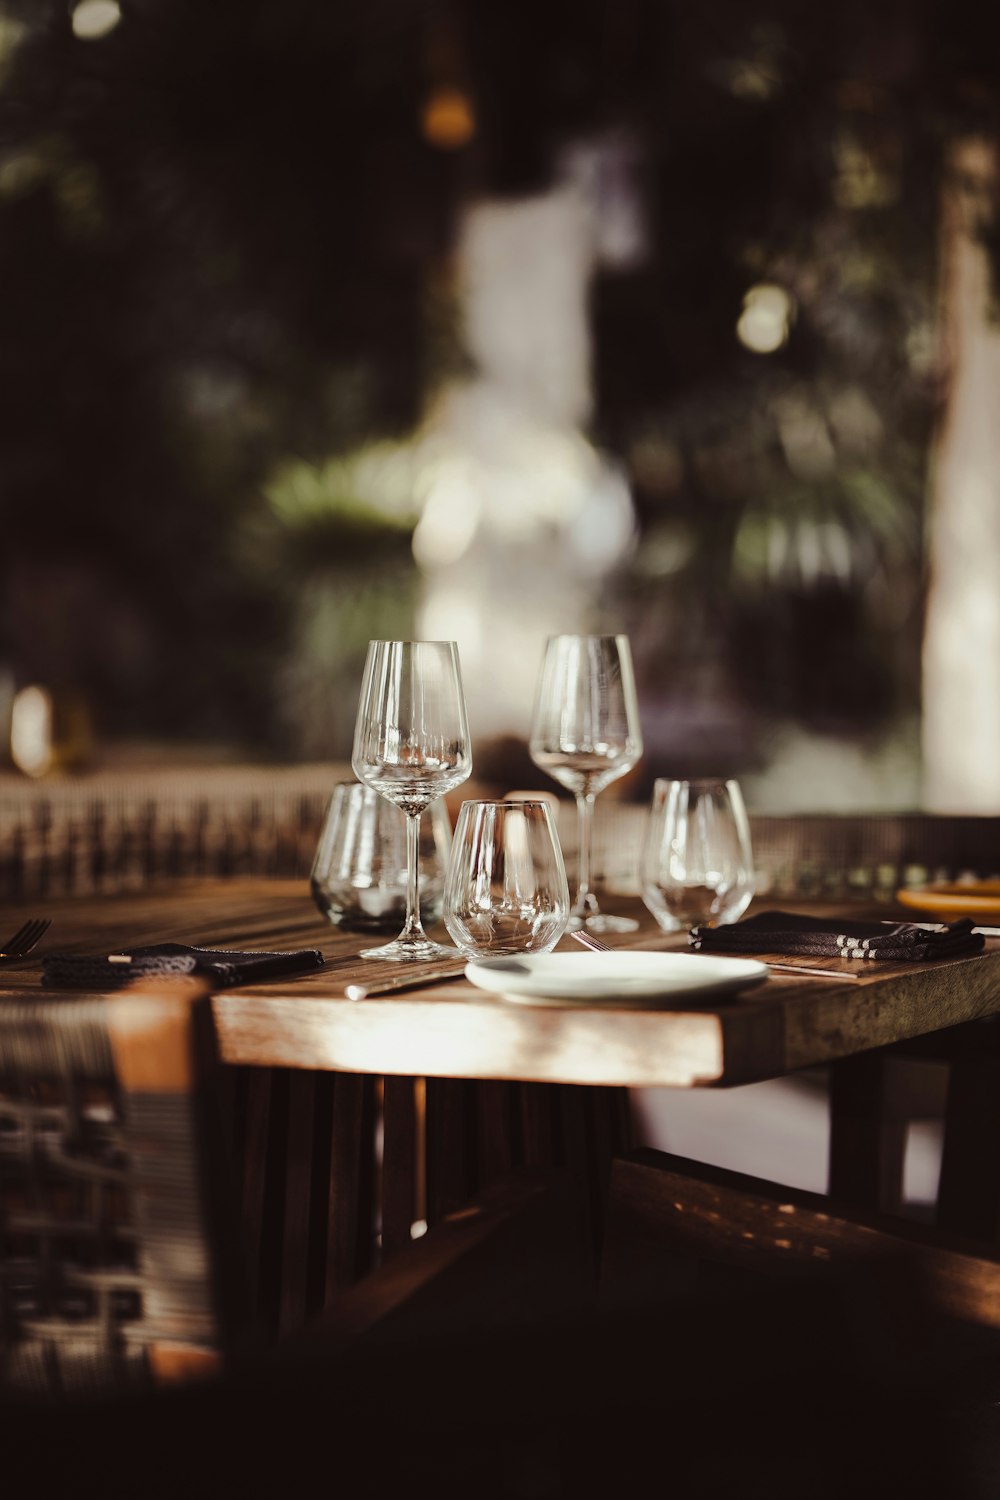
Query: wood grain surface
{"points": [[663, 1207], [454, 1030]]}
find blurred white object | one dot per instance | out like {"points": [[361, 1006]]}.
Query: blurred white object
{"points": [[779, 1129], [526, 268], [961, 653], [607, 170], [520, 515], [32, 747]]}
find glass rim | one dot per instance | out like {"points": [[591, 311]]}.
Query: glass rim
{"points": [[506, 802], [415, 641], [572, 635]]}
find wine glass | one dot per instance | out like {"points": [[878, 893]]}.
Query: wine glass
{"points": [[696, 865], [506, 889], [585, 734], [411, 744]]}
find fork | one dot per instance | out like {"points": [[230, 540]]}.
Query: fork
{"points": [[597, 946], [24, 939], [588, 941]]}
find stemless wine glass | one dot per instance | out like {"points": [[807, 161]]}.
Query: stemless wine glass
{"points": [[358, 874], [506, 889], [411, 744], [696, 866], [585, 734]]}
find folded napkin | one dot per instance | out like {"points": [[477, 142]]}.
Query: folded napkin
{"points": [[224, 967], [841, 937]]}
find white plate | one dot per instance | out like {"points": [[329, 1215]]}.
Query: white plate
{"points": [[626, 979]]}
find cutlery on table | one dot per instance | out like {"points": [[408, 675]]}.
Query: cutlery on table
{"points": [[940, 927], [597, 946], [400, 982], [20, 944]]}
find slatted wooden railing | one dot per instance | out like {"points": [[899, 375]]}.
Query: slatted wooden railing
{"points": [[106, 832]]}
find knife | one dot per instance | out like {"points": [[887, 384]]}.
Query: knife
{"points": [[402, 982], [940, 927], [819, 973]]}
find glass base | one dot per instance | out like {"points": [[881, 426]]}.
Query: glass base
{"points": [[411, 951], [602, 921]]}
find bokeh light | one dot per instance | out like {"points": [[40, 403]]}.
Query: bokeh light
{"points": [[31, 731], [448, 120], [764, 321], [93, 19]]}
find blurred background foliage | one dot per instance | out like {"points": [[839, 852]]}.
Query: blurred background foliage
{"points": [[225, 233]]}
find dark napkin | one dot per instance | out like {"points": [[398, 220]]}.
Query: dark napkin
{"points": [[839, 937], [223, 967]]}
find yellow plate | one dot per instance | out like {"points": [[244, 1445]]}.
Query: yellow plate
{"points": [[969, 898]]}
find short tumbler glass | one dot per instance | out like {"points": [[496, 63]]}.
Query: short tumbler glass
{"points": [[506, 889], [358, 877], [696, 866]]}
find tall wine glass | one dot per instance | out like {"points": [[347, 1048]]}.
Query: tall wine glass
{"points": [[585, 734], [411, 744]]}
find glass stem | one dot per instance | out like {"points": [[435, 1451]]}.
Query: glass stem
{"points": [[586, 902], [412, 928]]}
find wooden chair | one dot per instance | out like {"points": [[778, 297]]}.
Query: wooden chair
{"points": [[835, 1352], [438, 1370], [119, 1261], [666, 1212], [128, 1360], [122, 1243], [128, 1363]]}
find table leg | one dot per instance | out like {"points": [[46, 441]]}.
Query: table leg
{"points": [[477, 1131], [453, 1156], [297, 1254], [867, 1135], [399, 1164], [305, 1164], [323, 1158], [969, 1193], [350, 1237]]}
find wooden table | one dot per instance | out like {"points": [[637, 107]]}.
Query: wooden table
{"points": [[394, 1110], [454, 1030]]}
